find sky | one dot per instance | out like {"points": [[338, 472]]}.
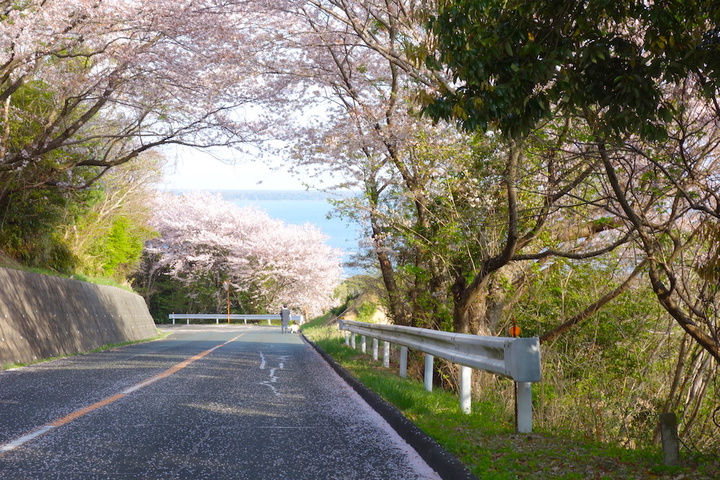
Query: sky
{"points": [[191, 169]]}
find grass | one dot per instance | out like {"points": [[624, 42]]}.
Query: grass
{"points": [[102, 281], [485, 440]]}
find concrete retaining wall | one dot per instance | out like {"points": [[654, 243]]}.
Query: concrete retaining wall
{"points": [[43, 316]]}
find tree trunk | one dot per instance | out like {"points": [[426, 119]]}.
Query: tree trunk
{"points": [[396, 306], [470, 307]]}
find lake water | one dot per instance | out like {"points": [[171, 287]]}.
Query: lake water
{"points": [[299, 207]]}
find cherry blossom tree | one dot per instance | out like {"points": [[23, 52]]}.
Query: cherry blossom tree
{"points": [[205, 238], [86, 85], [430, 197], [352, 58]]}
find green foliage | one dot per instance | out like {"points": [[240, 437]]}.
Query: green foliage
{"points": [[38, 197], [365, 311], [516, 62], [347, 291], [120, 250], [165, 294], [603, 377], [29, 223], [59, 229], [350, 290], [33, 101], [170, 297], [108, 235]]}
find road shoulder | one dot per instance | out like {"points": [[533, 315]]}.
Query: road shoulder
{"points": [[439, 459]]}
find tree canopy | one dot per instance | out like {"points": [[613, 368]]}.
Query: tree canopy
{"points": [[639, 83], [550, 164], [516, 63]]}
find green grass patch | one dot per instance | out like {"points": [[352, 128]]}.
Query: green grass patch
{"points": [[486, 441], [102, 281]]}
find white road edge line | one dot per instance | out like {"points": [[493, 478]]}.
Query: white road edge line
{"points": [[19, 442]]}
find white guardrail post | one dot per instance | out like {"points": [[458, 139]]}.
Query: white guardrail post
{"points": [[429, 360], [403, 361], [524, 408], [465, 388], [516, 358]]}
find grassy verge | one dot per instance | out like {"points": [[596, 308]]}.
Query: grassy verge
{"points": [[8, 262], [485, 440]]}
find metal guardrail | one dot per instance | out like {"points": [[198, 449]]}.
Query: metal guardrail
{"points": [[516, 358], [228, 318]]}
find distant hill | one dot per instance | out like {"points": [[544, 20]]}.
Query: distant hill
{"points": [[272, 195]]}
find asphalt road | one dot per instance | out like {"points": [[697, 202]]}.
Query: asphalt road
{"points": [[214, 402]]}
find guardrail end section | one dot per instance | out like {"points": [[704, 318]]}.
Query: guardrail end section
{"points": [[522, 357]]}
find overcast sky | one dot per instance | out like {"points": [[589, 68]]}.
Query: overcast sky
{"points": [[195, 170]]}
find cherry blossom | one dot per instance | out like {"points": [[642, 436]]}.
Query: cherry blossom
{"points": [[204, 235]]}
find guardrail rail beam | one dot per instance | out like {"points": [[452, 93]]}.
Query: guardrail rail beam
{"points": [[233, 316], [516, 358]]}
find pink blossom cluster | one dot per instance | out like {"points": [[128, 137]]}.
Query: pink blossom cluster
{"points": [[202, 235]]}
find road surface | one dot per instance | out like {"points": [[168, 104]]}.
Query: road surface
{"points": [[207, 402]]}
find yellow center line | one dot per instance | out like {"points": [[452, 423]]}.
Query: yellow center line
{"points": [[31, 435]]}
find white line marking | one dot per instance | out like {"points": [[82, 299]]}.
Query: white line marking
{"points": [[273, 377], [136, 387], [272, 387], [18, 442]]}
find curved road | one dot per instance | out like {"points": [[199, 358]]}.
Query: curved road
{"points": [[207, 402]]}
